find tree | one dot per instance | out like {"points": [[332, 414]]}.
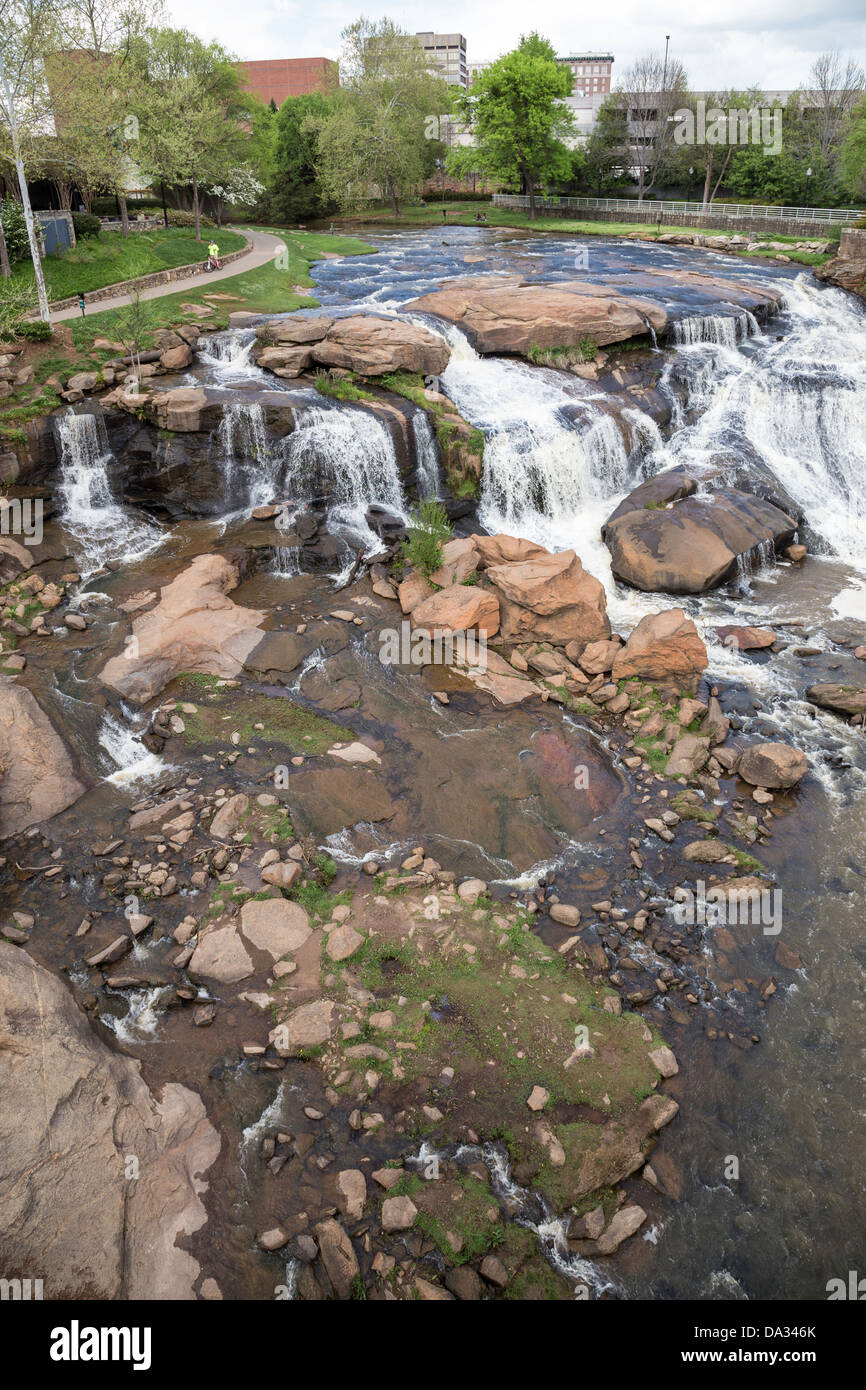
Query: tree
{"points": [[517, 113], [26, 27], [294, 192], [837, 87], [373, 138], [192, 112], [651, 90], [709, 133], [93, 82], [607, 153], [853, 155]]}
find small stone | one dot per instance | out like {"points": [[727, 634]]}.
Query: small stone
{"points": [[398, 1213]]}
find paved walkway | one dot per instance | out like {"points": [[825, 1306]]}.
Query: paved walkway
{"points": [[264, 248]]}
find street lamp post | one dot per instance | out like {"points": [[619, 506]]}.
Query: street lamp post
{"points": [[806, 193], [691, 176]]}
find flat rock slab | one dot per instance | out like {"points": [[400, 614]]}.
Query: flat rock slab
{"points": [[275, 925], [67, 1210]]}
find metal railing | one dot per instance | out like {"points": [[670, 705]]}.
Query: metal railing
{"points": [[836, 216]]}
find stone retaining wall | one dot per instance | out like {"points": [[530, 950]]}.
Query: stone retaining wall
{"points": [[158, 277], [852, 244]]}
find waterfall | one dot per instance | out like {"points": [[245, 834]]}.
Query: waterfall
{"points": [[131, 761], [726, 330], [348, 455], [252, 467], [796, 405], [98, 523], [426, 455], [545, 477], [229, 355]]}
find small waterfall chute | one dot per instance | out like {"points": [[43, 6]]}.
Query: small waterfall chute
{"points": [[722, 330], [426, 455], [252, 466], [103, 528], [229, 355], [347, 455]]}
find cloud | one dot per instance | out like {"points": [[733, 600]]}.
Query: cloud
{"points": [[736, 44]]}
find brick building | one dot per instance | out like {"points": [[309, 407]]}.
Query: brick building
{"points": [[274, 79]]}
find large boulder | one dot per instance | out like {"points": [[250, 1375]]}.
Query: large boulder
{"points": [[664, 646], [503, 317], [549, 598], [669, 486], [459, 608], [38, 777], [844, 699], [772, 765], [506, 550], [195, 627], [694, 544], [69, 1211], [363, 343]]}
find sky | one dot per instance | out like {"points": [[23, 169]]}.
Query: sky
{"points": [[769, 43]]}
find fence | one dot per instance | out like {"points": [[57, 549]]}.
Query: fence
{"points": [[648, 211]]}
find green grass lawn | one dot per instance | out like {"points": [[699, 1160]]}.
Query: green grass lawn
{"points": [[110, 257], [463, 215], [268, 289]]}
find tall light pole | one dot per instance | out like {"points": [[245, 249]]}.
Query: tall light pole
{"points": [[665, 72], [44, 311], [691, 176], [806, 193]]}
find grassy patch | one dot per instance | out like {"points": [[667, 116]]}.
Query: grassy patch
{"points": [[224, 712], [341, 388], [267, 289], [109, 258]]}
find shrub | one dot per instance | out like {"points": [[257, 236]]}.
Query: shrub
{"points": [[86, 224], [14, 230], [178, 218], [429, 529], [34, 331]]}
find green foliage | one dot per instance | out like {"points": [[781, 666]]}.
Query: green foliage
{"points": [[14, 230], [429, 529], [327, 869], [340, 388], [519, 120], [86, 225], [853, 152], [373, 141], [293, 192], [34, 331]]}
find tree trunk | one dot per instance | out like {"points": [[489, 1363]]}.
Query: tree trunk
{"points": [[196, 209], [529, 185], [124, 214], [5, 268]]}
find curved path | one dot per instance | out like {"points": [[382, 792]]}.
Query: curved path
{"points": [[265, 247]]}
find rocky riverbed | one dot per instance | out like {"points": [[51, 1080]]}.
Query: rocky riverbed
{"points": [[349, 970]]}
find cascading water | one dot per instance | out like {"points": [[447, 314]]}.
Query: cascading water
{"points": [[547, 475], [131, 761], [724, 329], [252, 467], [426, 454], [102, 529], [229, 355], [349, 456]]}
